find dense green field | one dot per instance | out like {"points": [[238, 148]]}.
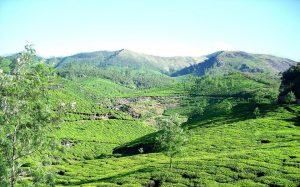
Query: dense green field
{"points": [[226, 147], [94, 138], [233, 149]]}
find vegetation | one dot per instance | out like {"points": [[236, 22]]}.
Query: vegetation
{"points": [[230, 149], [25, 115], [290, 97], [224, 62], [256, 112], [172, 137], [124, 130], [290, 82]]}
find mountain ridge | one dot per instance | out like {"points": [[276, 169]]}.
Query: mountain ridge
{"points": [[127, 58], [219, 61], [223, 62]]}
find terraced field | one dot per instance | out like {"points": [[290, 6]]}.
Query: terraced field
{"points": [[233, 149]]}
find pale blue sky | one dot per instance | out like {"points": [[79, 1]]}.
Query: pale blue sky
{"points": [[159, 27]]}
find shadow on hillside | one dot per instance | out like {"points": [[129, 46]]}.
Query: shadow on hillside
{"points": [[144, 144], [239, 112], [211, 118], [296, 119]]}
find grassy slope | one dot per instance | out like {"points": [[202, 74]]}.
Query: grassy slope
{"points": [[103, 88], [224, 62], [224, 150], [86, 92], [96, 138]]}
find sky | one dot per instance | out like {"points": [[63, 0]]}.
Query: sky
{"points": [[157, 27]]}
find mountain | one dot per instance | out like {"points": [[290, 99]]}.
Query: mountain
{"points": [[221, 62], [126, 58], [224, 62], [136, 70]]}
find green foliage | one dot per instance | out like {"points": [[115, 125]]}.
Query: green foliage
{"points": [[4, 172], [5, 65], [42, 176], [223, 150], [128, 77], [245, 86], [172, 137], [291, 75], [26, 116], [290, 97], [225, 106], [98, 137], [256, 112], [291, 81]]}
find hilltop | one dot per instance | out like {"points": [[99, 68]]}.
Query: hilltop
{"points": [[221, 62], [224, 62], [126, 59]]}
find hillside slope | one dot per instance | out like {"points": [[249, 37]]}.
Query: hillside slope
{"points": [[126, 59], [224, 62], [225, 150]]}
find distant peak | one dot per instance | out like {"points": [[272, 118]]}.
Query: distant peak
{"points": [[215, 54], [125, 52], [122, 50]]}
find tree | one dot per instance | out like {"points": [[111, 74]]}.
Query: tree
{"points": [[290, 97], [172, 137], [256, 112], [227, 107], [26, 115], [290, 83]]}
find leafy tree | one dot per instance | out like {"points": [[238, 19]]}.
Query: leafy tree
{"points": [[290, 82], [290, 97], [172, 137], [25, 114], [256, 112], [228, 107]]}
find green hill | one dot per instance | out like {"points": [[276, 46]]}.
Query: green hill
{"points": [[224, 62], [125, 59]]}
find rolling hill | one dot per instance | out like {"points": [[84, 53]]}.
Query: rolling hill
{"points": [[220, 62], [126, 59], [136, 70], [224, 62]]}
